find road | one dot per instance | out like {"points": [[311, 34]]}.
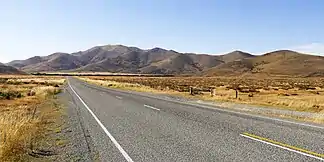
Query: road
{"points": [[126, 126]]}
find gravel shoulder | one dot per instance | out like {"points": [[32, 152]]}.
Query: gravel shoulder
{"points": [[67, 139]]}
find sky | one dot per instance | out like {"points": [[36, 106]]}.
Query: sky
{"points": [[38, 27]]}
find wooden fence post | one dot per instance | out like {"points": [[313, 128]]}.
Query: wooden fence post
{"points": [[212, 92], [236, 93], [191, 91]]}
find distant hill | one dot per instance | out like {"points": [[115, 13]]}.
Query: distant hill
{"points": [[123, 59], [119, 58], [4, 69], [283, 62], [235, 55]]}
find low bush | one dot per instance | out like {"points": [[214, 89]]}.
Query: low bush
{"points": [[3, 80], [10, 95], [31, 93], [14, 82]]}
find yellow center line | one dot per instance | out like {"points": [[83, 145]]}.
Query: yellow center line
{"points": [[283, 145]]}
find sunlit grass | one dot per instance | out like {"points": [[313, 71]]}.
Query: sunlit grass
{"points": [[24, 119]]}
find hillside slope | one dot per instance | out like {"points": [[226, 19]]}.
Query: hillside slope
{"points": [[54, 62], [4, 69], [234, 56], [283, 62], [119, 58], [123, 59]]}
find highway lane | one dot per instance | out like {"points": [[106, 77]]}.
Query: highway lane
{"points": [[150, 129]]}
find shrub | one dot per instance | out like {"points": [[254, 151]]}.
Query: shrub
{"points": [[3, 80], [310, 88], [283, 94], [14, 82], [10, 95], [31, 93]]}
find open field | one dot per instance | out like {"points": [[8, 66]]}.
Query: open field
{"points": [[300, 94], [27, 108]]}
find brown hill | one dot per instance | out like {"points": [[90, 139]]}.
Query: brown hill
{"points": [[119, 58], [234, 56], [100, 53], [4, 69], [54, 62], [283, 62], [183, 63], [23, 63], [156, 60], [123, 59]]}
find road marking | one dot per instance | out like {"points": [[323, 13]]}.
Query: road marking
{"points": [[210, 107], [121, 150], [284, 146], [151, 107], [254, 115], [119, 97]]}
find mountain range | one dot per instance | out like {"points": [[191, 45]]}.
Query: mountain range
{"points": [[123, 59]]}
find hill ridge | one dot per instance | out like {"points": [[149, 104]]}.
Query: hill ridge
{"points": [[4, 69], [120, 58]]}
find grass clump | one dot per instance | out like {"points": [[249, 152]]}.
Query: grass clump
{"points": [[17, 130], [26, 111], [10, 95]]}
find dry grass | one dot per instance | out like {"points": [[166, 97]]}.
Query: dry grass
{"points": [[38, 80], [293, 99], [30, 77], [125, 86], [17, 131], [24, 119], [299, 94], [319, 117]]}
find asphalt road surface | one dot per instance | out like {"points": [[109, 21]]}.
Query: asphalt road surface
{"points": [[127, 126]]}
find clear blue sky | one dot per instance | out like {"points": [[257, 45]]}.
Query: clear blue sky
{"points": [[41, 27]]}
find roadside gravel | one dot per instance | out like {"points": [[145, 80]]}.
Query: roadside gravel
{"points": [[76, 144]]}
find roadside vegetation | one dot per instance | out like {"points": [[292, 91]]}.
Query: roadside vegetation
{"points": [[298, 94], [27, 108]]}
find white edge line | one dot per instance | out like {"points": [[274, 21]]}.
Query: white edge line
{"points": [[151, 107], [253, 115], [119, 97], [122, 151], [224, 110], [286, 148]]}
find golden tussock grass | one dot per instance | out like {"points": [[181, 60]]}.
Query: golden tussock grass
{"points": [[299, 101], [17, 131], [23, 120], [125, 86]]}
